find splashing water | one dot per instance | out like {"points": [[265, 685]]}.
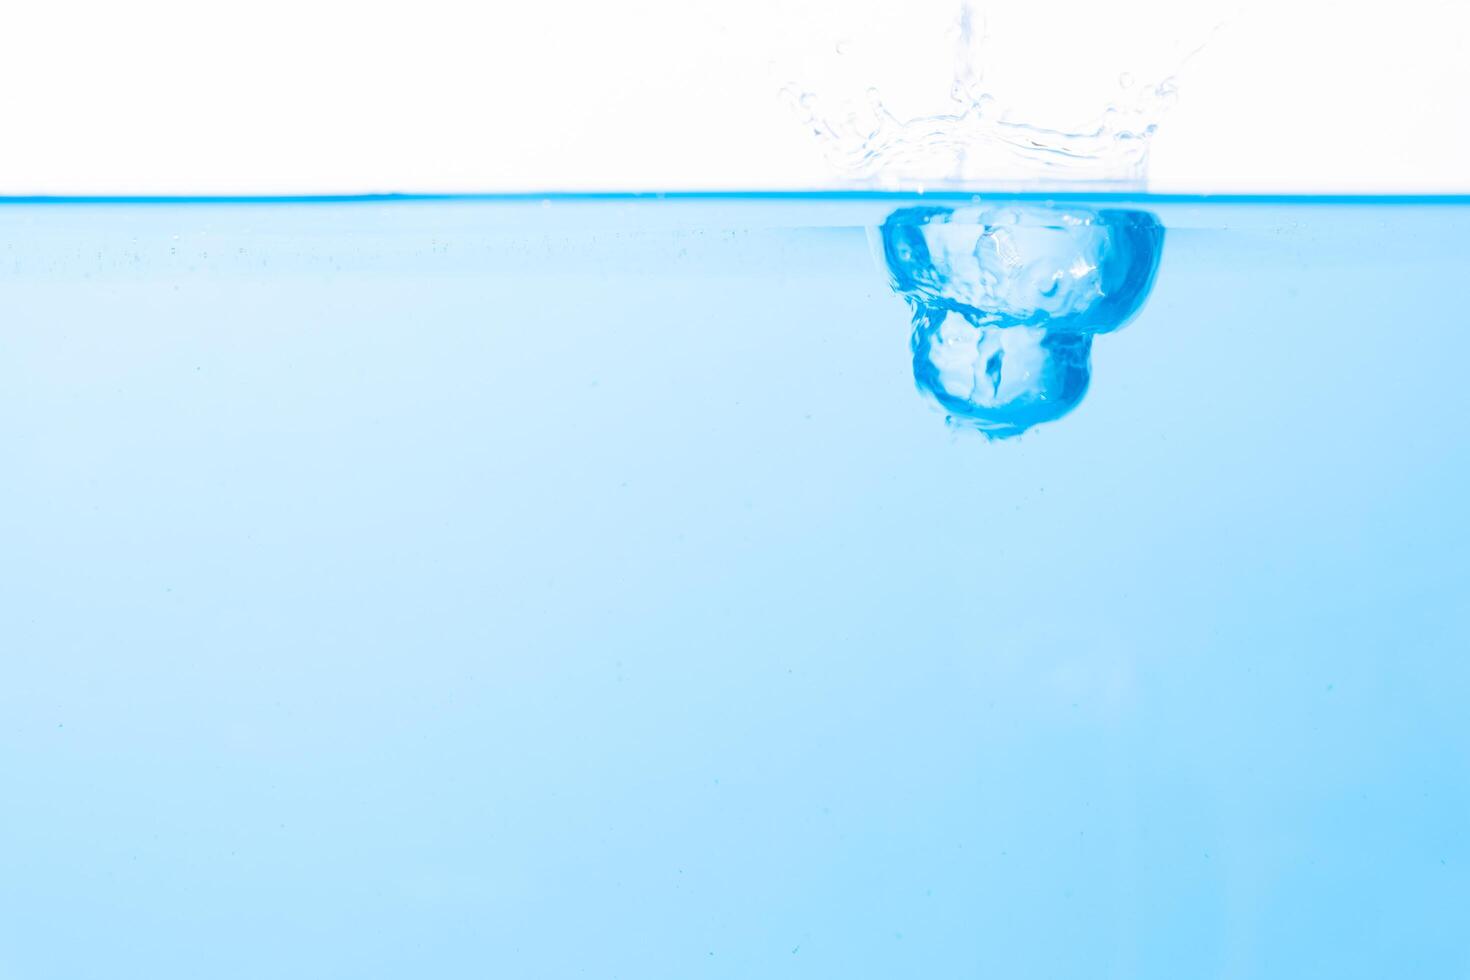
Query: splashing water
{"points": [[975, 141]]}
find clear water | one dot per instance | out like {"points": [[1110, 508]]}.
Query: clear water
{"points": [[466, 588]]}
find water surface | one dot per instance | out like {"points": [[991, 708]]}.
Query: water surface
{"points": [[584, 587]]}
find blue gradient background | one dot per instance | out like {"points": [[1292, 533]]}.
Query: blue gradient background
{"points": [[468, 588]]}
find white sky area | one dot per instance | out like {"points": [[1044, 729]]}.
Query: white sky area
{"points": [[323, 96]]}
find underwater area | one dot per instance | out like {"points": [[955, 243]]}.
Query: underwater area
{"points": [[832, 585]]}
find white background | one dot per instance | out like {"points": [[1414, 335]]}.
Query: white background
{"points": [[166, 96]]}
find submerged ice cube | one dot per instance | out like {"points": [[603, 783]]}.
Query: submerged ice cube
{"points": [[1003, 380], [1006, 299], [1026, 265]]}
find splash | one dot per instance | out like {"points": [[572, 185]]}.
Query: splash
{"points": [[1007, 298], [974, 141]]}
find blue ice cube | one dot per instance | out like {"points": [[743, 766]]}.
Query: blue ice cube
{"points": [[1006, 299]]}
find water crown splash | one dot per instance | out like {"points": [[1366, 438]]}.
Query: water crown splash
{"points": [[974, 141]]}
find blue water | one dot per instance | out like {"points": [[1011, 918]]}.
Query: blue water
{"points": [[585, 588]]}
